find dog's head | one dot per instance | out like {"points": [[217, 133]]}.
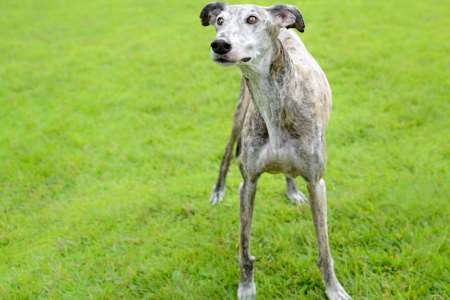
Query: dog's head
{"points": [[246, 32]]}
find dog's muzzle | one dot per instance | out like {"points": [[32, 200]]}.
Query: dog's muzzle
{"points": [[220, 47]]}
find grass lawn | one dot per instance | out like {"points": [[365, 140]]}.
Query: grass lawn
{"points": [[113, 120]]}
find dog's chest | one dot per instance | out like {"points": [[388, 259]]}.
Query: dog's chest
{"points": [[282, 158], [278, 147]]}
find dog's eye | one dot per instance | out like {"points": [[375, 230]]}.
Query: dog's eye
{"points": [[220, 21], [252, 20]]}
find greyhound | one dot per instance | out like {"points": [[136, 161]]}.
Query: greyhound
{"points": [[281, 118]]}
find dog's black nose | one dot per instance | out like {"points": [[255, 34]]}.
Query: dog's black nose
{"points": [[221, 47]]}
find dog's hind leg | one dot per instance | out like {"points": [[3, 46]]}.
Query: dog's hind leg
{"points": [[292, 192], [317, 191], [238, 120]]}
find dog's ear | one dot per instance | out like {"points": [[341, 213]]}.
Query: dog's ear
{"points": [[287, 16], [210, 12]]}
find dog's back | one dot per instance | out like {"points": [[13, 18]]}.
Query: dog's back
{"points": [[311, 76]]}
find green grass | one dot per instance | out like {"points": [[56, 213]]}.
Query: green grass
{"points": [[113, 121]]}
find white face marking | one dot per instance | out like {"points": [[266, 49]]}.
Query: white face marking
{"points": [[248, 29]]}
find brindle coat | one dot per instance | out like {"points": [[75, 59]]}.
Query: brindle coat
{"points": [[281, 119], [295, 196]]}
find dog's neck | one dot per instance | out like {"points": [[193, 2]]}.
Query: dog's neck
{"points": [[269, 79]]}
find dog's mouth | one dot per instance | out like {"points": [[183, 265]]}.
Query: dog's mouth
{"points": [[225, 61]]}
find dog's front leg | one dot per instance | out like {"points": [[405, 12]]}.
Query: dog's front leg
{"points": [[247, 288], [238, 119], [334, 290]]}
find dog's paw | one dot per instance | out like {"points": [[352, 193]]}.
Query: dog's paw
{"points": [[217, 195], [337, 292], [297, 198], [247, 291]]}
